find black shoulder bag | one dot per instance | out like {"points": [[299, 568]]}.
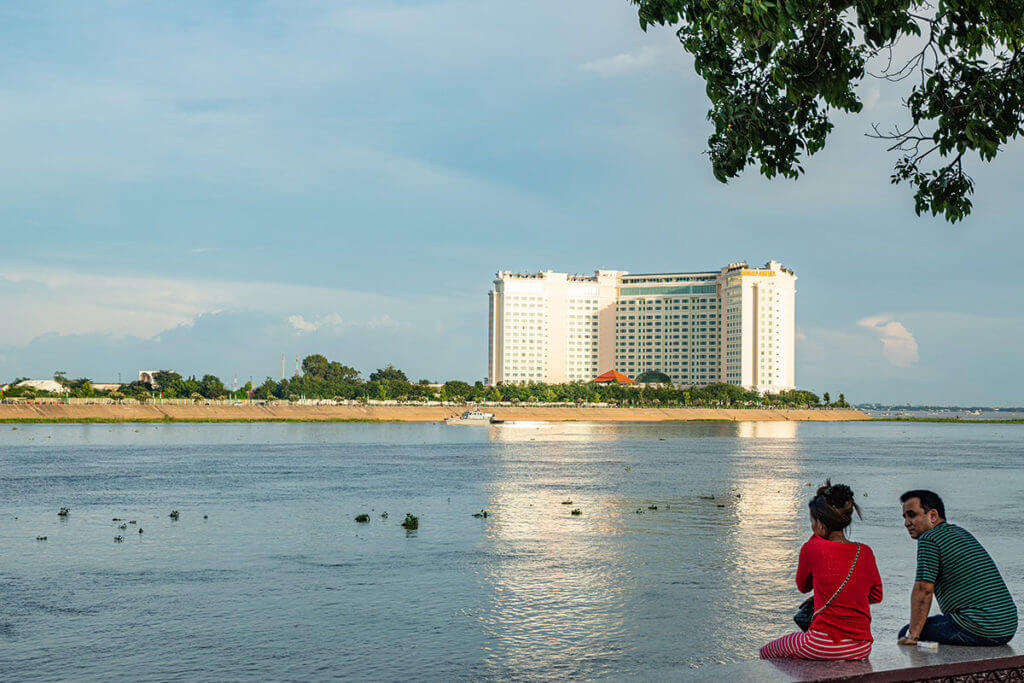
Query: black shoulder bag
{"points": [[806, 613]]}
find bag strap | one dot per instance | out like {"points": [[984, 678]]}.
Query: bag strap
{"points": [[841, 586]]}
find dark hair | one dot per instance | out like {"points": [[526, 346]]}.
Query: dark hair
{"points": [[929, 501], [834, 506]]}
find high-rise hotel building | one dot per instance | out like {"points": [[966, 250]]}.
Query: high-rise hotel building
{"points": [[735, 325]]}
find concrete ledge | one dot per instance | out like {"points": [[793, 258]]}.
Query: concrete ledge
{"points": [[888, 663]]}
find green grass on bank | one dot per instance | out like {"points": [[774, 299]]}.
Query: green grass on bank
{"points": [[952, 420]]}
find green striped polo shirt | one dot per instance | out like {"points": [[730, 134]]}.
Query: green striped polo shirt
{"points": [[968, 586]]}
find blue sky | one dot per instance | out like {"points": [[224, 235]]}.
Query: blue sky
{"points": [[205, 186]]}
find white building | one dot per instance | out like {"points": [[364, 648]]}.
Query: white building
{"points": [[733, 325]]}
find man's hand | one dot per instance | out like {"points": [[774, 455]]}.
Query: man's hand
{"points": [[907, 640]]}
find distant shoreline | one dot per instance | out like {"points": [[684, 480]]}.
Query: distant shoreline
{"points": [[106, 413]]}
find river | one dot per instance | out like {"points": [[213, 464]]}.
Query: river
{"points": [[266, 575]]}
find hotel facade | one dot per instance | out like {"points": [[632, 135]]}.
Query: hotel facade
{"points": [[735, 325]]}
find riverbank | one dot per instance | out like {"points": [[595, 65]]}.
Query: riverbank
{"points": [[306, 413]]}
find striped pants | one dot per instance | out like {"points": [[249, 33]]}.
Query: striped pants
{"points": [[815, 645]]}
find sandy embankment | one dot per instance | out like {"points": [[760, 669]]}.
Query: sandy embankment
{"points": [[228, 413]]}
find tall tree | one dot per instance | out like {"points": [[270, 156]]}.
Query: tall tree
{"points": [[777, 69], [388, 373]]}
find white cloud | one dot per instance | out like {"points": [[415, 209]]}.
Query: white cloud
{"points": [[624, 63], [898, 345], [35, 301], [303, 325]]}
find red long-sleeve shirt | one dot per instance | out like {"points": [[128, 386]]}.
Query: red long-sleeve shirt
{"points": [[823, 566]]}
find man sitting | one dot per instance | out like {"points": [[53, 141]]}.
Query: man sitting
{"points": [[976, 606]]}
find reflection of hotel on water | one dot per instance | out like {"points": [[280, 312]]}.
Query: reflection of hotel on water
{"points": [[542, 559], [770, 521], [525, 431]]}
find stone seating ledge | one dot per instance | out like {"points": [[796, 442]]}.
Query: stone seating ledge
{"points": [[888, 662]]}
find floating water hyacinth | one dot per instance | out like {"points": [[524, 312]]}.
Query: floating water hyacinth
{"points": [[174, 515], [64, 512], [577, 512], [411, 522], [363, 518]]}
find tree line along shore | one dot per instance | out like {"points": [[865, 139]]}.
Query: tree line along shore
{"points": [[324, 380], [312, 412]]}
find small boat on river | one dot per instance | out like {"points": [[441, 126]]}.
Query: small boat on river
{"points": [[473, 417]]}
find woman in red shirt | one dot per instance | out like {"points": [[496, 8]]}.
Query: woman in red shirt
{"points": [[841, 626]]}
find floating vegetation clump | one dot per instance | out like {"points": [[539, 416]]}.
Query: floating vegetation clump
{"points": [[566, 502], [652, 507], [384, 515], [206, 516], [64, 512], [576, 512], [118, 539], [482, 513], [140, 529], [363, 518], [174, 515], [411, 522], [639, 511], [721, 505], [40, 538], [707, 497], [133, 522], [122, 527]]}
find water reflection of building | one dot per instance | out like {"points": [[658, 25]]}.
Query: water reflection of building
{"points": [[769, 473], [774, 429], [555, 586]]}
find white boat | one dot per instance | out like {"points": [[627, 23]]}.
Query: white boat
{"points": [[473, 417]]}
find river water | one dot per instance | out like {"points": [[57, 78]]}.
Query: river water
{"points": [[266, 575]]}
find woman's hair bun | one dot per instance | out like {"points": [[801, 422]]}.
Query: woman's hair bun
{"points": [[838, 495], [834, 505]]}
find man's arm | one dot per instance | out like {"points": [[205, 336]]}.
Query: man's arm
{"points": [[920, 605]]}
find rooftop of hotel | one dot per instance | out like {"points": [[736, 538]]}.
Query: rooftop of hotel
{"points": [[633, 278]]}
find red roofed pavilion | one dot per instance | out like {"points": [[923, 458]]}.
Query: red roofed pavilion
{"points": [[612, 376]]}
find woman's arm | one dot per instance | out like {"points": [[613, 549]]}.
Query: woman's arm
{"points": [[875, 594], [804, 580]]}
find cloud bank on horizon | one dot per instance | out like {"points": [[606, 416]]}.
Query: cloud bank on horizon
{"points": [[205, 186]]}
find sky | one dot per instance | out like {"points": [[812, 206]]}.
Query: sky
{"points": [[205, 186]]}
